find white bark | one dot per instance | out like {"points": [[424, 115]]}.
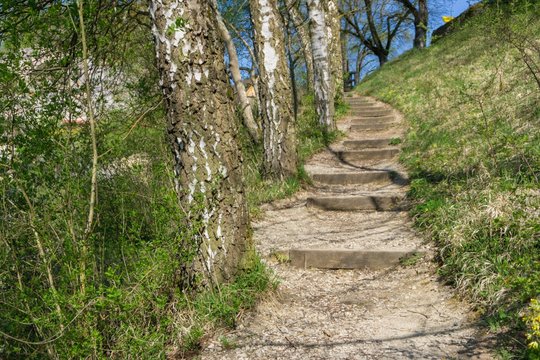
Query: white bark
{"points": [[201, 129], [321, 65], [333, 27], [303, 34], [275, 91]]}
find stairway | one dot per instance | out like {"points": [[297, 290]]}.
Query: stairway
{"points": [[359, 188], [352, 281]]}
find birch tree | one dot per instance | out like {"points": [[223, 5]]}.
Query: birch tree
{"points": [[302, 30], [333, 29], [275, 93], [234, 67], [345, 58], [323, 83], [201, 132]]}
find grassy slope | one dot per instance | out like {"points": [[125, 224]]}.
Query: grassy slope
{"points": [[473, 152]]}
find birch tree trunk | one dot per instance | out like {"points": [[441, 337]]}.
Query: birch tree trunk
{"points": [[345, 60], [201, 132], [279, 141], [243, 100], [333, 28], [323, 83], [303, 34]]}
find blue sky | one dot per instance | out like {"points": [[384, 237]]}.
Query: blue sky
{"points": [[437, 9], [449, 8]]}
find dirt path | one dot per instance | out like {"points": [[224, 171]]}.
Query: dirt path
{"points": [[359, 283]]}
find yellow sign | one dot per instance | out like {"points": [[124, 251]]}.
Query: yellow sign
{"points": [[447, 19]]}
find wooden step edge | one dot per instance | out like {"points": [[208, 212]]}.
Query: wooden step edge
{"points": [[371, 127], [349, 258], [389, 177], [371, 114], [363, 103], [366, 106], [359, 203], [367, 155], [367, 144], [390, 149], [353, 178], [358, 120]]}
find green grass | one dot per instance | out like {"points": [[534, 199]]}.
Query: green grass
{"points": [[473, 154], [220, 307], [411, 259]]}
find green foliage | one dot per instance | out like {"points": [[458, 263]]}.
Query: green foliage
{"points": [[226, 343], [116, 291], [312, 137], [411, 260], [395, 141], [191, 341], [532, 321], [220, 307], [473, 155]]}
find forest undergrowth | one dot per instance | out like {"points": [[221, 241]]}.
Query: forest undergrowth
{"points": [[132, 303]]}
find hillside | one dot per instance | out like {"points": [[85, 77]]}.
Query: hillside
{"points": [[473, 152], [151, 209]]}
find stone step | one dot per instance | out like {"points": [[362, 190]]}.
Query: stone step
{"points": [[372, 112], [349, 258], [352, 156], [374, 120], [360, 202], [356, 178], [366, 143], [370, 127]]}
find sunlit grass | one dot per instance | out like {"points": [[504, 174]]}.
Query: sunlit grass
{"points": [[473, 154]]}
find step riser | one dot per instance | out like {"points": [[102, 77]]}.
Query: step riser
{"points": [[370, 109], [370, 127], [363, 104], [353, 157], [358, 100], [365, 107], [347, 259], [358, 203], [376, 120], [372, 113], [366, 144], [352, 179]]}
